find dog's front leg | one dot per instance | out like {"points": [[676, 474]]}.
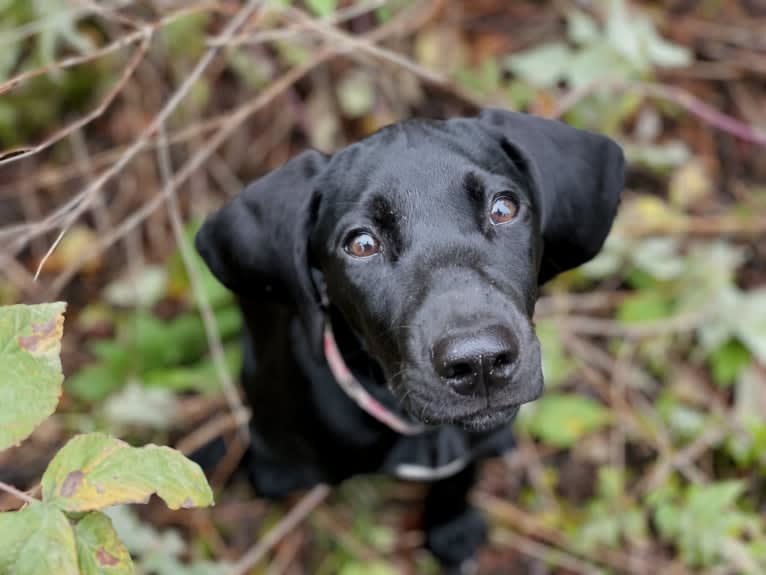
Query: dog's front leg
{"points": [[454, 530]]}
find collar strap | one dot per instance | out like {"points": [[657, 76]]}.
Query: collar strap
{"points": [[349, 384]]}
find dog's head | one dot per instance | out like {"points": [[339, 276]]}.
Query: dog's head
{"points": [[430, 239]]}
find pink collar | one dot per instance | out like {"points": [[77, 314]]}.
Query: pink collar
{"points": [[355, 391]]}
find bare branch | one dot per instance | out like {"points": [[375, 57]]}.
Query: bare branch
{"points": [[20, 153], [679, 96], [16, 492], [406, 21], [119, 44], [209, 322], [80, 203], [289, 522]]}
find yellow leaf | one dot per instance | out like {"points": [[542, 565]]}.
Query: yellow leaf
{"points": [[94, 471]]}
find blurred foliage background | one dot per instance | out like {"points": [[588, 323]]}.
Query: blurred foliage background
{"points": [[123, 122]]}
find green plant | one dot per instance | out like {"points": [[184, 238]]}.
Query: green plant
{"points": [[65, 532], [628, 47], [707, 525]]}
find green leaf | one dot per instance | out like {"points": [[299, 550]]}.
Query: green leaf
{"points": [[160, 552], [94, 382], [710, 516], [595, 62], [322, 8], [691, 185], [753, 331], [562, 419], [667, 518], [727, 361], [609, 260], [486, 79], [37, 540], [683, 419], [30, 367], [142, 406], [179, 284], [750, 398], [356, 94], [557, 365], [201, 376], [659, 158], [99, 549], [58, 25], [644, 306], [367, 568], [663, 53], [543, 66], [659, 257], [581, 28], [184, 38], [611, 482], [143, 288], [94, 471], [716, 497], [635, 37], [142, 538], [156, 352]]}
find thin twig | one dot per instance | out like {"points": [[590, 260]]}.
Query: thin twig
{"points": [[16, 35], [609, 328], [407, 20], [289, 522], [212, 333], [20, 153], [16, 492], [527, 523], [51, 177], [679, 96], [207, 432], [187, 170], [730, 224], [328, 522], [354, 45], [231, 124], [711, 437], [560, 302], [285, 555], [119, 44], [339, 17], [80, 203], [542, 551]]}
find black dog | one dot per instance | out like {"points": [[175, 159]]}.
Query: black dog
{"points": [[423, 246]]}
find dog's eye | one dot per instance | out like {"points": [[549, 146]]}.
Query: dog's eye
{"points": [[504, 209], [362, 245]]}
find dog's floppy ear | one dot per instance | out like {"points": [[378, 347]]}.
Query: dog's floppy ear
{"points": [[257, 244], [578, 176]]}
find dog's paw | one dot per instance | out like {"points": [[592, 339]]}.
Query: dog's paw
{"points": [[455, 543]]}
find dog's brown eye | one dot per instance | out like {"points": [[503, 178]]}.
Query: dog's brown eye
{"points": [[503, 210], [362, 245]]}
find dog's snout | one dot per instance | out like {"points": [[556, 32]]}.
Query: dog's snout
{"points": [[475, 363]]}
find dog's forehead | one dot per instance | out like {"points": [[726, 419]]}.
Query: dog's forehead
{"points": [[404, 160]]}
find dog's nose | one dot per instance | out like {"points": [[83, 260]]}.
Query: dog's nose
{"points": [[476, 362]]}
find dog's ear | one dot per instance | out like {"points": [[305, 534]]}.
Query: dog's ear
{"points": [[257, 244], [577, 176]]}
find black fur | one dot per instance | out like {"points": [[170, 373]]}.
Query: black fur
{"points": [[437, 325]]}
